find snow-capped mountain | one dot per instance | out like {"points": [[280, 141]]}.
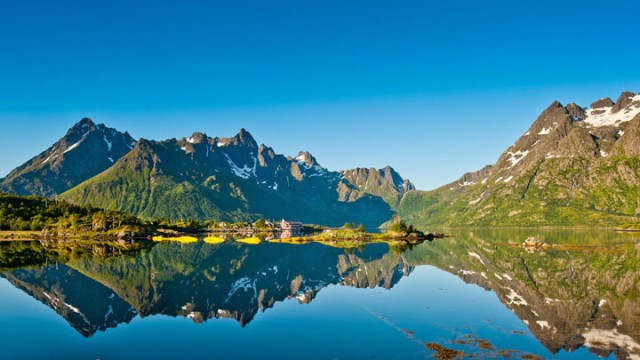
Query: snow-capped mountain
{"points": [[86, 150]]}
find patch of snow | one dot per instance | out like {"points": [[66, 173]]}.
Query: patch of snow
{"points": [[184, 148], [527, 133], [275, 269], [72, 308], [608, 118], [242, 283], [109, 312], [526, 322], [543, 324], [551, 156], [620, 132], [516, 157], [192, 315], [508, 179], [619, 323], [514, 298], [221, 144], [544, 131], [466, 272], [132, 145], [599, 338], [244, 172], [109, 143], [550, 300], [191, 140], [602, 153], [475, 255], [498, 179], [507, 277], [484, 181], [73, 146], [497, 276], [110, 159], [484, 275], [602, 302], [475, 201], [467, 183]]}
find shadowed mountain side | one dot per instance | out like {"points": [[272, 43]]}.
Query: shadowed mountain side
{"points": [[87, 305]]}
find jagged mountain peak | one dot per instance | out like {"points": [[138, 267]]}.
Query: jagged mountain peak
{"points": [[242, 138], [197, 138], [84, 122], [307, 158], [602, 103], [245, 138], [624, 100]]}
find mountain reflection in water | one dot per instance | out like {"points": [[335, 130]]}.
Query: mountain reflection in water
{"points": [[578, 293]]}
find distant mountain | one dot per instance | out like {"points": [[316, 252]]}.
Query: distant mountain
{"points": [[234, 178], [574, 166], [86, 150], [385, 183]]}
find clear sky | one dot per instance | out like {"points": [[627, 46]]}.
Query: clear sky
{"points": [[433, 88]]}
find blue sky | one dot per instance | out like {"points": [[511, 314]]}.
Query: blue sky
{"points": [[434, 89]]}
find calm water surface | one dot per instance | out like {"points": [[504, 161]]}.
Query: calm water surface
{"points": [[478, 292]]}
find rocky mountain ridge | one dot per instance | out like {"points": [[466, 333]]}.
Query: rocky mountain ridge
{"points": [[202, 177], [572, 166]]}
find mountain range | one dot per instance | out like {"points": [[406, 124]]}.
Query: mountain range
{"points": [[573, 166], [202, 177]]}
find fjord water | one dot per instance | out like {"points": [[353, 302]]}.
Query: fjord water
{"points": [[477, 291]]}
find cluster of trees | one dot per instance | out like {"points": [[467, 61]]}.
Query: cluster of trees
{"points": [[18, 213], [400, 227], [352, 226]]}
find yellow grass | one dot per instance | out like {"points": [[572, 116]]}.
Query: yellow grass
{"points": [[180, 239], [250, 241], [293, 240], [213, 240]]}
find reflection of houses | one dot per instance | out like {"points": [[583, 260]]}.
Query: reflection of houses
{"points": [[290, 228], [293, 226]]}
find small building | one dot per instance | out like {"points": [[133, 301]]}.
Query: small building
{"points": [[293, 226]]}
